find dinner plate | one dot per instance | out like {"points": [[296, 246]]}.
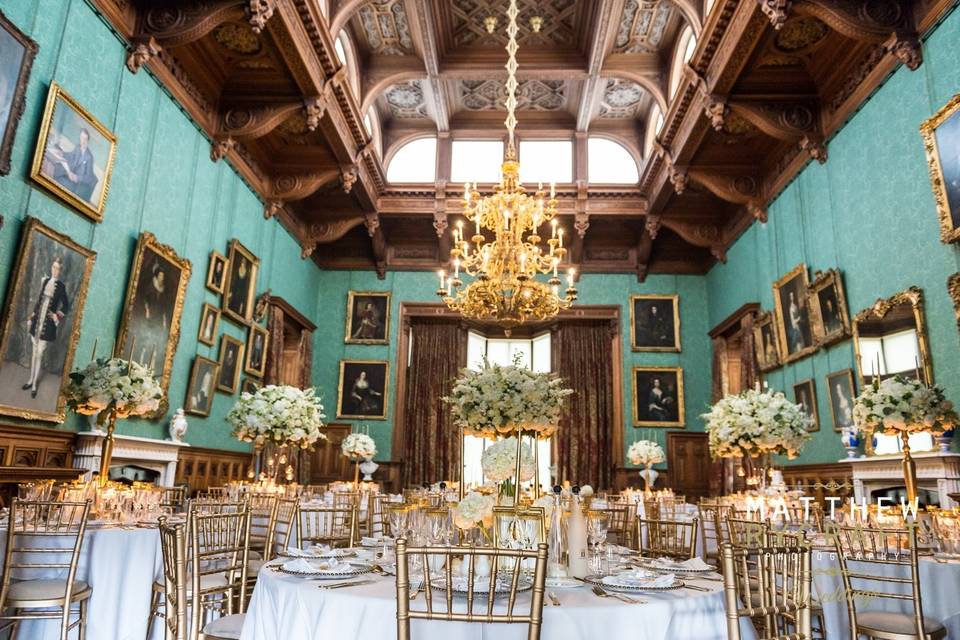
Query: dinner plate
{"points": [[319, 555], [345, 571], [563, 583], [481, 585], [654, 565], [598, 581]]}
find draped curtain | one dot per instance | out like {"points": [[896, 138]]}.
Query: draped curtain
{"points": [[431, 447], [305, 353], [748, 355], [274, 345], [582, 355]]}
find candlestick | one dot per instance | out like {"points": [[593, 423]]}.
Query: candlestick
{"points": [[555, 262], [570, 274], [443, 277], [477, 223], [456, 268], [523, 262], [560, 238], [553, 190], [466, 191], [553, 228], [95, 341]]}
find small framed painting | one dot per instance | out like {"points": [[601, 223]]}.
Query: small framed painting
{"points": [[216, 272], [17, 52], [793, 315], [249, 385], [256, 362], [203, 378], [655, 323], [828, 308], [842, 393], [941, 139], [209, 323], [765, 344], [231, 362], [658, 397], [362, 392], [240, 284], [74, 156], [805, 395], [368, 317]]}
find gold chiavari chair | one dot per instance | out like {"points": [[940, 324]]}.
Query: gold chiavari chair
{"points": [[263, 522], [651, 508], [771, 586], [519, 527], [501, 587], [332, 526], [746, 532], [173, 498], [279, 538], [620, 518], [675, 539], [375, 514], [219, 552], [36, 535], [212, 493], [882, 564], [712, 514], [214, 505]]}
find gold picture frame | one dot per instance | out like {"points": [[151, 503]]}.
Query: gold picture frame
{"points": [[829, 325], [207, 334], [216, 278], [233, 369], [19, 52], [51, 163], [26, 280], [144, 313], [373, 332], [674, 307], [781, 314], [206, 371], [846, 375], [249, 385], [878, 312], [379, 380], [251, 364], [238, 257], [809, 389], [945, 188], [953, 288], [766, 344], [642, 382]]}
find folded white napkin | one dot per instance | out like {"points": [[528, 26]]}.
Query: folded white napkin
{"points": [[640, 578], [693, 564], [368, 541], [299, 565]]}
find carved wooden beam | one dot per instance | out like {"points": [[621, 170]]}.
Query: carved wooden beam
{"points": [[699, 234], [250, 123], [739, 188], [644, 252], [379, 243], [326, 232], [291, 188], [791, 120]]}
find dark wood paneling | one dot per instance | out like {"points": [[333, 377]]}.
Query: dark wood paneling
{"points": [[34, 453], [821, 480], [326, 462], [199, 468], [688, 458]]}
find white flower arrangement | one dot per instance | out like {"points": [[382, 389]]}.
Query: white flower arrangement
{"points": [[499, 461], [283, 415], [755, 423], [127, 386], [475, 510], [358, 445], [644, 452], [899, 404], [501, 399]]}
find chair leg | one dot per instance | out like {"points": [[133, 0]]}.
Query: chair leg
{"points": [[154, 609], [83, 619], [65, 622], [15, 626]]}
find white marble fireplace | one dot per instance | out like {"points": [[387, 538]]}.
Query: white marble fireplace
{"points": [[937, 472], [157, 455]]}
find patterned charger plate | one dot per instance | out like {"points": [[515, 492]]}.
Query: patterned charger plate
{"points": [[677, 569], [598, 580], [319, 555], [500, 588], [349, 571]]}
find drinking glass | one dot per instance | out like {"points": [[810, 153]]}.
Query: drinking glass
{"points": [[597, 522]]}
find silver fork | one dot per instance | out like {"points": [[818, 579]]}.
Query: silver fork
{"points": [[553, 598], [619, 596]]}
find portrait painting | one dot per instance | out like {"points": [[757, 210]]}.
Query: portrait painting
{"points": [[368, 317], [658, 397], [209, 323], [216, 272], [231, 364], [793, 315], [805, 395], [41, 322], [363, 389], [249, 385], [655, 323], [765, 344], [842, 394], [74, 156], [17, 52], [941, 140], [256, 362], [240, 284], [828, 306], [150, 325], [200, 387]]}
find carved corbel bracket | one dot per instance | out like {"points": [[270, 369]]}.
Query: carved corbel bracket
{"points": [[142, 49], [581, 222], [652, 224], [776, 10], [907, 49], [326, 232], [314, 109], [815, 147], [372, 222], [220, 147], [297, 187], [737, 188], [259, 12], [787, 121], [440, 223], [348, 177], [250, 123], [272, 208], [679, 179], [716, 111]]}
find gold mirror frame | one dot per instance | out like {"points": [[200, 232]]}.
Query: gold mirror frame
{"points": [[953, 288], [880, 308]]}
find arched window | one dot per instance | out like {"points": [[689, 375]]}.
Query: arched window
{"points": [[476, 161], [686, 44], [348, 58], [415, 161], [546, 161], [609, 162], [654, 124], [707, 6]]}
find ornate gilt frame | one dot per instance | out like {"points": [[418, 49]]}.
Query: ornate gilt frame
{"points": [[216, 256], [18, 99], [216, 324], [348, 329], [928, 130], [149, 241], [237, 247], [94, 213], [822, 280], [77, 304], [781, 324], [226, 339], [215, 368], [953, 288], [813, 396], [681, 409], [675, 298], [247, 368], [853, 392], [763, 319], [386, 390], [880, 308]]}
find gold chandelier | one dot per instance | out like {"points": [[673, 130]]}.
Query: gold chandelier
{"points": [[504, 288]]}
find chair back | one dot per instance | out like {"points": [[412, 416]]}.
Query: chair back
{"points": [[743, 532], [375, 514], [173, 544], [279, 538], [620, 519], [263, 520], [483, 594], [212, 492], [712, 515], [173, 498], [668, 538], [214, 505], [219, 545], [333, 526], [519, 527]]}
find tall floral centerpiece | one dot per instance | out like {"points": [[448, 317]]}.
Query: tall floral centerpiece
{"points": [[900, 406], [112, 388], [357, 447], [499, 464], [756, 424], [281, 416], [474, 513], [646, 453]]}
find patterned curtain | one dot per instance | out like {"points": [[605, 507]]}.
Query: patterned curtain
{"points": [[748, 355], [305, 353], [431, 451], [719, 361], [275, 345], [584, 443]]}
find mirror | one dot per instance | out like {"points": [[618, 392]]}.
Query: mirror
{"points": [[890, 338]]}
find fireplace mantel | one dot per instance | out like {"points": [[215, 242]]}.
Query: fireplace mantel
{"points": [[149, 453], [937, 472]]}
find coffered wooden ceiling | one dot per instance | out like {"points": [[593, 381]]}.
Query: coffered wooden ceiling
{"points": [[767, 85]]}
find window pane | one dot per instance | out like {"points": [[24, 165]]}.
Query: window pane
{"points": [[416, 161], [541, 353], [476, 161], [546, 161], [610, 163], [476, 350]]}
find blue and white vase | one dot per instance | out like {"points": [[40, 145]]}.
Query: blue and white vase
{"points": [[851, 440], [944, 440]]}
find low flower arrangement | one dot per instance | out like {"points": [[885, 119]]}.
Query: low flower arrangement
{"points": [[645, 452], [499, 461], [278, 414], [127, 386], [475, 510], [755, 423], [899, 404], [358, 445]]}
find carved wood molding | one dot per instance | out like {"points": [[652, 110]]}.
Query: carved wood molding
{"points": [[738, 188], [791, 121], [326, 232]]}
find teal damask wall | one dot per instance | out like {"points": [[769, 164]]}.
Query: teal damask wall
{"points": [[594, 289], [868, 211], [163, 182]]}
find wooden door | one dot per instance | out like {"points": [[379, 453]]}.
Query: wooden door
{"points": [[327, 463], [688, 460]]}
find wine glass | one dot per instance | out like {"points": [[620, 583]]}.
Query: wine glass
{"points": [[597, 523]]}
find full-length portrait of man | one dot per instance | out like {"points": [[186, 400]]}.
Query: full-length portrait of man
{"points": [[43, 325]]}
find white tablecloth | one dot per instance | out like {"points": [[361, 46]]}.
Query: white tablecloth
{"points": [[120, 565], [287, 607]]}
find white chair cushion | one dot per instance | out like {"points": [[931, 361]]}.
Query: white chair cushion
{"points": [[253, 567], [895, 623], [43, 590], [225, 628], [207, 581]]}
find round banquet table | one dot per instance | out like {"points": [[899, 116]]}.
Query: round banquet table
{"points": [[286, 606], [120, 564]]}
